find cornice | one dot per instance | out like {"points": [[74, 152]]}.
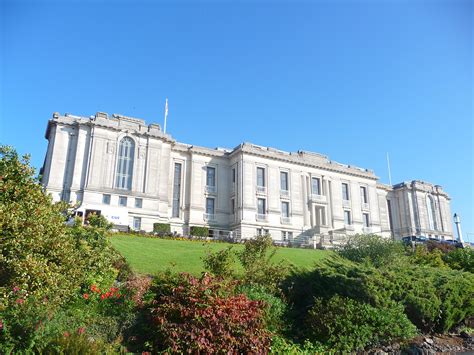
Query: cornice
{"points": [[294, 159], [103, 123]]}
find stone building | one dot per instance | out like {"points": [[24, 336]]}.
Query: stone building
{"points": [[136, 176]]}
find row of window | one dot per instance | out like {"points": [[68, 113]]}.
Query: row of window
{"points": [[348, 218], [363, 193], [123, 201], [125, 163]]}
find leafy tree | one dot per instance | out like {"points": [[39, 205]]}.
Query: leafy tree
{"points": [[43, 263], [36, 254]]}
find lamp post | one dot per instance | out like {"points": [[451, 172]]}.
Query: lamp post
{"points": [[457, 221]]}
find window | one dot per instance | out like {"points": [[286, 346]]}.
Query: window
{"points": [[285, 209], [316, 186], [233, 175], [363, 194], [176, 190], [347, 218], [106, 199], [430, 205], [211, 176], [138, 203], [210, 206], [261, 231], [232, 206], [389, 208], [345, 191], [285, 236], [125, 164], [261, 177], [366, 219], [137, 223], [261, 206], [123, 201], [283, 181]]}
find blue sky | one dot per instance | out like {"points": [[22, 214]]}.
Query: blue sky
{"points": [[350, 79]]}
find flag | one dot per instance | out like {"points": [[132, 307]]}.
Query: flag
{"points": [[166, 114]]}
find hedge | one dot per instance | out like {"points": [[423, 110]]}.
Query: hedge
{"points": [[164, 228], [199, 231]]}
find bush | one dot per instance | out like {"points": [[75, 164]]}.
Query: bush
{"points": [[256, 259], [282, 345], [274, 307], [372, 248], [346, 325], [99, 221], [460, 259], [44, 265], [423, 256], [204, 316], [199, 231], [434, 299], [220, 262], [162, 228]]}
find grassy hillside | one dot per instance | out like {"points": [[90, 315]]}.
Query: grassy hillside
{"points": [[152, 255]]}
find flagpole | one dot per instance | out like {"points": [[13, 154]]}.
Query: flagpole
{"points": [[389, 172], [166, 115]]}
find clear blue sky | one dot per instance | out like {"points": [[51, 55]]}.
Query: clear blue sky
{"points": [[350, 79]]}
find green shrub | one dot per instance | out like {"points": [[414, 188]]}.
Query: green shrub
{"points": [[205, 316], [372, 248], [460, 259], [197, 231], [76, 343], [44, 265], [423, 256], [256, 260], [281, 345], [162, 228], [274, 307], [435, 299], [347, 325], [99, 221], [220, 263]]}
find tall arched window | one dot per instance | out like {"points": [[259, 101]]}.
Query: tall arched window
{"points": [[125, 164], [430, 206]]}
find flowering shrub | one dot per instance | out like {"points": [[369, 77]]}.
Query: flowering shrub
{"points": [[203, 315], [43, 263]]}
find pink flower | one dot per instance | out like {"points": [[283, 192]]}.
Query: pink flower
{"points": [[16, 289], [86, 296], [20, 301], [1, 324], [66, 334], [81, 330]]}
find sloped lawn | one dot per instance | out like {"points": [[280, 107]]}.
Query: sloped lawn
{"points": [[152, 255]]}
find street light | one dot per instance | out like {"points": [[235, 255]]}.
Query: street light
{"points": [[457, 221]]}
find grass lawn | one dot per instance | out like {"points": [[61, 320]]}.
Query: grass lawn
{"points": [[152, 255]]}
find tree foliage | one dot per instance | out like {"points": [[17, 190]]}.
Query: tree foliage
{"points": [[44, 264]]}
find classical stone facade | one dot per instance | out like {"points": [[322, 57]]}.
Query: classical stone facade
{"points": [[136, 175]]}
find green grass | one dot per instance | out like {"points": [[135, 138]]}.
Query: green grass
{"points": [[152, 255]]}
